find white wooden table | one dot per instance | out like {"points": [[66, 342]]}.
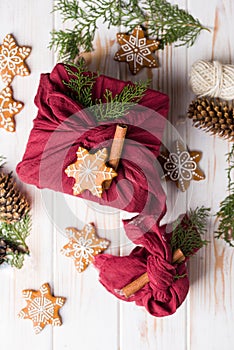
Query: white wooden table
{"points": [[93, 318]]}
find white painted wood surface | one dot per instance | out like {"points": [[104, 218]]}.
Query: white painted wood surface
{"points": [[92, 318]]}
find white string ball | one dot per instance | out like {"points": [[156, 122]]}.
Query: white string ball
{"points": [[212, 79]]}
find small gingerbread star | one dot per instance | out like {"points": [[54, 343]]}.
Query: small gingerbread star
{"points": [[136, 50], [181, 166], [42, 308], [8, 109], [12, 59], [83, 246], [90, 171]]}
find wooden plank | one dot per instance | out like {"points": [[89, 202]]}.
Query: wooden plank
{"points": [[23, 20], [139, 330], [92, 314], [211, 306]]}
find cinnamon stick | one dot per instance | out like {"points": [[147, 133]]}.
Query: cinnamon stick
{"points": [[116, 149], [141, 281]]}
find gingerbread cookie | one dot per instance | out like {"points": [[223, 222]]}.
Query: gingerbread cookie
{"points": [[136, 50], [83, 246], [90, 171], [181, 166], [8, 109], [12, 59], [42, 308]]}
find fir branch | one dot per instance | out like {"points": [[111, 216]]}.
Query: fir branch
{"points": [[70, 42], [110, 107], [226, 211], [81, 83], [119, 105], [15, 258], [16, 233], [170, 24], [164, 21], [67, 9], [178, 277], [66, 43], [187, 234]]}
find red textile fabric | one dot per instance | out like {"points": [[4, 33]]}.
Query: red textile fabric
{"points": [[169, 282], [61, 126]]}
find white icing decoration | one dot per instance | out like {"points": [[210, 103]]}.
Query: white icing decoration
{"points": [[180, 166], [83, 246]]}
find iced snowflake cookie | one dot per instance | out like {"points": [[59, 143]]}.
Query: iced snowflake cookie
{"points": [[90, 171], [12, 59], [83, 246], [181, 166], [42, 308], [136, 50], [8, 109]]}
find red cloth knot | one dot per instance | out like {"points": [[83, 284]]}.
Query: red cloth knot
{"points": [[161, 274]]}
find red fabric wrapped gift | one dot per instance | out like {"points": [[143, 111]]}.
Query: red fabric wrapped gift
{"points": [[169, 282], [62, 125]]}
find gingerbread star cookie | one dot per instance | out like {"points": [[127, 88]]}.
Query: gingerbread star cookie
{"points": [[181, 166], [136, 50], [42, 308], [90, 171], [8, 109], [83, 246], [12, 59]]}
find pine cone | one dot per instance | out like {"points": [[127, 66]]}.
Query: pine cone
{"points": [[13, 204], [214, 116], [3, 248]]}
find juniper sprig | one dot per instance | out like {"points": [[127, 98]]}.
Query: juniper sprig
{"points": [[226, 211], [187, 233], [110, 107], [164, 21]]}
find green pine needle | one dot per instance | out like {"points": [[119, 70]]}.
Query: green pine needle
{"points": [[15, 259], [15, 234], [178, 277], [164, 21], [119, 105], [81, 85], [187, 234], [226, 211]]}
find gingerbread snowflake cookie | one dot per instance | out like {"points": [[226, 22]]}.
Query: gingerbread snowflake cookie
{"points": [[181, 166], [136, 50], [42, 308], [90, 171], [12, 59], [83, 246], [8, 109]]}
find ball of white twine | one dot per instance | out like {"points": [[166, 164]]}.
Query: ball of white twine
{"points": [[212, 79]]}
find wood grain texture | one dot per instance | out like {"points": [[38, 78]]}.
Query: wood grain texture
{"points": [[93, 318]]}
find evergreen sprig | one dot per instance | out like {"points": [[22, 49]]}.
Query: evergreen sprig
{"points": [[226, 211], [187, 233], [15, 234], [164, 21], [81, 83], [119, 105], [109, 107]]}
